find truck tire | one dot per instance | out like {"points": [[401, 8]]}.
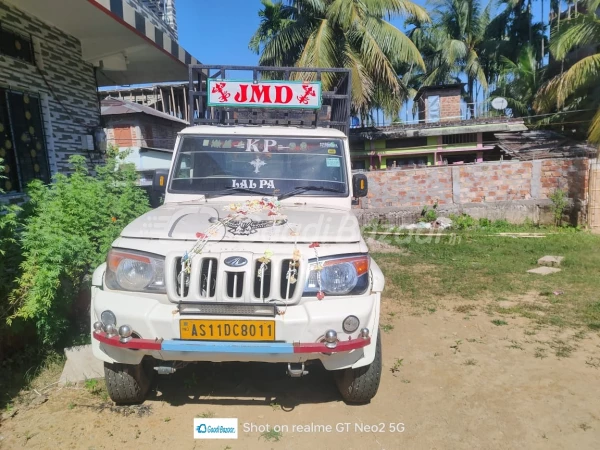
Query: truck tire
{"points": [[126, 383], [360, 385]]}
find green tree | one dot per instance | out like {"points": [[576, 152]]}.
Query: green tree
{"points": [[519, 82], [344, 33], [453, 44], [273, 18], [576, 87]]}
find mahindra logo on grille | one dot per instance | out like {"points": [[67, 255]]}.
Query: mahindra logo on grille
{"points": [[236, 261]]}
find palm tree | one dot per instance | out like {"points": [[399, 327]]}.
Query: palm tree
{"points": [[519, 81], [576, 89], [453, 45], [273, 18], [346, 33]]}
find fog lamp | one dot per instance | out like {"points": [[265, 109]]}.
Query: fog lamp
{"points": [[350, 324], [125, 333], [108, 318], [331, 339]]}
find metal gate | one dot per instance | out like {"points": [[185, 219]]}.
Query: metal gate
{"points": [[594, 197]]}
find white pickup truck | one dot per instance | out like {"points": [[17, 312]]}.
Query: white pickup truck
{"points": [[254, 256]]}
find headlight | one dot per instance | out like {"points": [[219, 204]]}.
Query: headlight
{"points": [[135, 271], [339, 276]]}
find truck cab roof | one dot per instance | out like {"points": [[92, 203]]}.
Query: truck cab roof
{"points": [[262, 130]]}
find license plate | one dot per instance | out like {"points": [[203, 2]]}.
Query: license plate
{"points": [[227, 330]]}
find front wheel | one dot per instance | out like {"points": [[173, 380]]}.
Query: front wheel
{"points": [[360, 385], [127, 383]]}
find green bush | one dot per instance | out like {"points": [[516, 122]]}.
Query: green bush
{"points": [[71, 226], [560, 201], [463, 222], [429, 214]]}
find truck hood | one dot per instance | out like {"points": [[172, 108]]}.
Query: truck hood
{"points": [[295, 224]]}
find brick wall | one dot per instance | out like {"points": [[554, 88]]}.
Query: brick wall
{"points": [[58, 57], [449, 104], [487, 184]]}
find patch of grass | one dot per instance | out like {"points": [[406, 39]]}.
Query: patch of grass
{"points": [[464, 309], [540, 352], [387, 327], [456, 346], [561, 348], [406, 381], [499, 322], [206, 415], [71, 405], [470, 362], [167, 419], [515, 345], [593, 362], [272, 435], [396, 367], [584, 426], [92, 386], [580, 335], [435, 268], [529, 332]]}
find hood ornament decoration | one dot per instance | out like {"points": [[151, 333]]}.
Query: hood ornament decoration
{"points": [[246, 226]]}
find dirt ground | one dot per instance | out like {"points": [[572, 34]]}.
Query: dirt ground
{"points": [[454, 379]]}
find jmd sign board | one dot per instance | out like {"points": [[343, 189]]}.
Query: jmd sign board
{"points": [[266, 94]]}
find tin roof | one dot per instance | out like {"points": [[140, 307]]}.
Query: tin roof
{"points": [[114, 106], [542, 144]]}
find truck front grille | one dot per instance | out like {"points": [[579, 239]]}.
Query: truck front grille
{"points": [[210, 280]]}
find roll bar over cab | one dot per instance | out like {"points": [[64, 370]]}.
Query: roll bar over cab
{"points": [[255, 254]]}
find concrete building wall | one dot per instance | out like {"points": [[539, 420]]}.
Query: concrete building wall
{"points": [[61, 79], [511, 190]]}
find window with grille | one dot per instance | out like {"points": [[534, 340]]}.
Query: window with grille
{"points": [[467, 138], [22, 142], [16, 45]]}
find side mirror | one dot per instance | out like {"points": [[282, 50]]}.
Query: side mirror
{"points": [[159, 183], [360, 185]]}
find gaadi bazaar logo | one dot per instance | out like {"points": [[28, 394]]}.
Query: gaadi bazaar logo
{"points": [[280, 94], [215, 428]]}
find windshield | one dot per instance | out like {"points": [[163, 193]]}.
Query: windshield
{"points": [[269, 165]]}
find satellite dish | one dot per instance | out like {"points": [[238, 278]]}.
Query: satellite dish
{"points": [[499, 103]]}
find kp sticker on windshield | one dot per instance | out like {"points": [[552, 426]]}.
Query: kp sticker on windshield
{"points": [[333, 162]]}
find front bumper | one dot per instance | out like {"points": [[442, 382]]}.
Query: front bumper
{"points": [[207, 347], [298, 334]]}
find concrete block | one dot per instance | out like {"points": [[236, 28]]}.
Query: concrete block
{"points": [[81, 365], [543, 270], [550, 261]]}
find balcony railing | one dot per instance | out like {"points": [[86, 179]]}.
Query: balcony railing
{"points": [[479, 111]]}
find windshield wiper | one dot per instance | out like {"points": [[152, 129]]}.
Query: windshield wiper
{"points": [[233, 190], [300, 189]]}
